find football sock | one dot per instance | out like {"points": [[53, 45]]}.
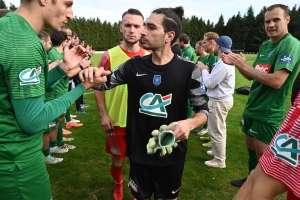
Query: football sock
{"points": [[68, 115], [116, 173], [53, 143], [252, 162], [59, 137], [46, 152]]}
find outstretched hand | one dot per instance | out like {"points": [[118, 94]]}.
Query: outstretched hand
{"points": [[93, 76], [54, 64], [73, 56]]}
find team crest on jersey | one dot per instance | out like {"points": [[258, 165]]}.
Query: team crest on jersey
{"points": [[286, 148], [270, 54], [263, 68], [30, 76], [285, 59], [155, 104], [157, 80]]}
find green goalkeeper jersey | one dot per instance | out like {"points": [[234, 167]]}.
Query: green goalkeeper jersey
{"points": [[266, 104], [23, 74]]}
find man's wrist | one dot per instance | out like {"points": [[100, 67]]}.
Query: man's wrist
{"points": [[64, 67]]}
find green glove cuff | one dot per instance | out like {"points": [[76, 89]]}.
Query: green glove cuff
{"points": [[166, 139]]}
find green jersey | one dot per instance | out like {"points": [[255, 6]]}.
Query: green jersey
{"points": [[62, 87], [188, 53], [23, 74], [265, 103], [55, 55], [211, 61], [203, 59], [63, 84]]}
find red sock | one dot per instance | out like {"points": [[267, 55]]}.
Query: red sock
{"points": [[116, 173]]}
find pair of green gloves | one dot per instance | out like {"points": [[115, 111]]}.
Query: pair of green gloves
{"points": [[163, 139]]}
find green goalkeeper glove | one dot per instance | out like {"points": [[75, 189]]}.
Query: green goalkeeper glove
{"points": [[163, 139]]}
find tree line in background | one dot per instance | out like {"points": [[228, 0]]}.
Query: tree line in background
{"points": [[247, 31]]}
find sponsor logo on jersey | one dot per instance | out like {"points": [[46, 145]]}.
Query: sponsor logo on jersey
{"points": [[270, 54], [30, 76], [137, 74], [263, 68], [173, 192], [286, 148], [285, 59], [157, 80], [133, 185], [155, 104]]}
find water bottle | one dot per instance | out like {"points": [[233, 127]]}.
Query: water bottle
{"points": [[113, 142]]}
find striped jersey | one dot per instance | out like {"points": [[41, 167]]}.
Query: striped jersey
{"points": [[281, 159]]}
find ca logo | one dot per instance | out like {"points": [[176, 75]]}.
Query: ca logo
{"points": [[286, 148], [155, 105], [30, 76]]}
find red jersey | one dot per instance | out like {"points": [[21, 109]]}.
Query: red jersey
{"points": [[105, 60], [281, 159]]}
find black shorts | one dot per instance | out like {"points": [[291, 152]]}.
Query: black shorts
{"points": [[163, 181]]}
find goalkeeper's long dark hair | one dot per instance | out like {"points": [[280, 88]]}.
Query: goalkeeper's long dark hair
{"points": [[172, 20]]}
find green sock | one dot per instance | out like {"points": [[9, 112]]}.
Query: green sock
{"points": [[205, 125], [53, 143], [59, 137], [46, 152], [68, 115], [252, 160]]}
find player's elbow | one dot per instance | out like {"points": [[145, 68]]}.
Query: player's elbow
{"points": [[276, 86], [29, 127]]}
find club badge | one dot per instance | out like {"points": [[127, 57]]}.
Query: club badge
{"points": [[157, 80]]}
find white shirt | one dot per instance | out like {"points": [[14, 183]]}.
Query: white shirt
{"points": [[220, 82]]}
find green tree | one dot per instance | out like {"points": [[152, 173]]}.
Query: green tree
{"points": [[219, 27], [248, 29], [194, 28], [12, 7], [295, 23], [260, 34], [234, 30], [2, 5]]}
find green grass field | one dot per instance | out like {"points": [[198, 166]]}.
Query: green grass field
{"points": [[84, 173]]}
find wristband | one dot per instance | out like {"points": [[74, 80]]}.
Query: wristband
{"points": [[81, 67]]}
